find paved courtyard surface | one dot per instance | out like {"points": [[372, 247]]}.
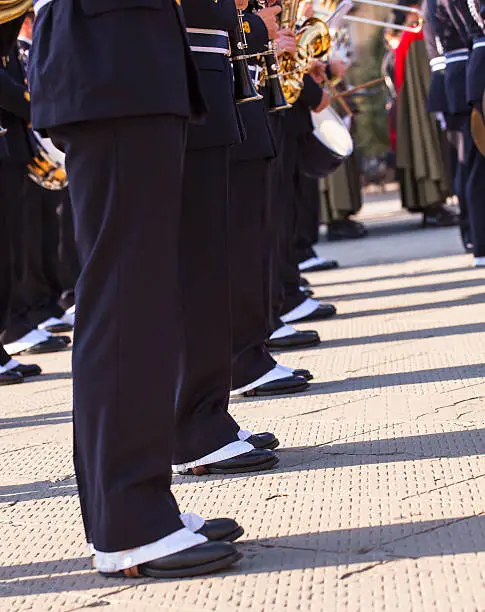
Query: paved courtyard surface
{"points": [[379, 500]]}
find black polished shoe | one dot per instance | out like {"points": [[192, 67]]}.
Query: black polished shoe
{"points": [[58, 328], [264, 440], [27, 370], [439, 216], [302, 339], [11, 378], [282, 386], [306, 374], [221, 530], [202, 559], [324, 311], [345, 229], [254, 461], [304, 282], [50, 345]]}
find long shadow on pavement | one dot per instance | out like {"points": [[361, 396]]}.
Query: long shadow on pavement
{"points": [[394, 291], [414, 334], [469, 300], [35, 420], [369, 546], [399, 277]]}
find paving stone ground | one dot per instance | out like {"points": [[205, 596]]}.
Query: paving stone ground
{"points": [[379, 500]]}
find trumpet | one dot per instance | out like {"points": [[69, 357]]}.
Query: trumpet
{"points": [[414, 28]]}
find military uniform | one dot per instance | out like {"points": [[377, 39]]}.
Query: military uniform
{"points": [[294, 305], [459, 32], [29, 225], [254, 371], [123, 125]]}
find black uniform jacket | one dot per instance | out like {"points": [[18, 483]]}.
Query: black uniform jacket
{"points": [[95, 59], [14, 111], [259, 142], [222, 124], [437, 92], [476, 65]]}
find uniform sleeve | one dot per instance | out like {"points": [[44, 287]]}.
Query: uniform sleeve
{"points": [[311, 94], [13, 97], [256, 33], [482, 10], [428, 32]]}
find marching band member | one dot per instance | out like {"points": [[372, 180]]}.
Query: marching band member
{"points": [[458, 30], [121, 128], [284, 336], [254, 371], [27, 251], [475, 89], [208, 440], [294, 305]]}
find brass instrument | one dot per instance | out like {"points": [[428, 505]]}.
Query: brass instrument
{"points": [[414, 28], [12, 9], [313, 41], [244, 89], [478, 130]]}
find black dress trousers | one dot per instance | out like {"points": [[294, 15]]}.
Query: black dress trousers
{"points": [[125, 181], [68, 257], [308, 216], [4, 356], [40, 283], [475, 164], [250, 192], [14, 310], [288, 269], [203, 423]]}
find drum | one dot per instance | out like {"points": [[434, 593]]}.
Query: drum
{"points": [[47, 168], [329, 145]]}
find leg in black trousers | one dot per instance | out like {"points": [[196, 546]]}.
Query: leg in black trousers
{"points": [[475, 163], [249, 194], [40, 283], [14, 322], [68, 257], [203, 424], [125, 181]]}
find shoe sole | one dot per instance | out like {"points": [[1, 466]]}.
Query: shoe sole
{"points": [[296, 347], [59, 329], [320, 269], [186, 572], [41, 351], [234, 535], [270, 446], [261, 467], [310, 319], [284, 391], [14, 381]]}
